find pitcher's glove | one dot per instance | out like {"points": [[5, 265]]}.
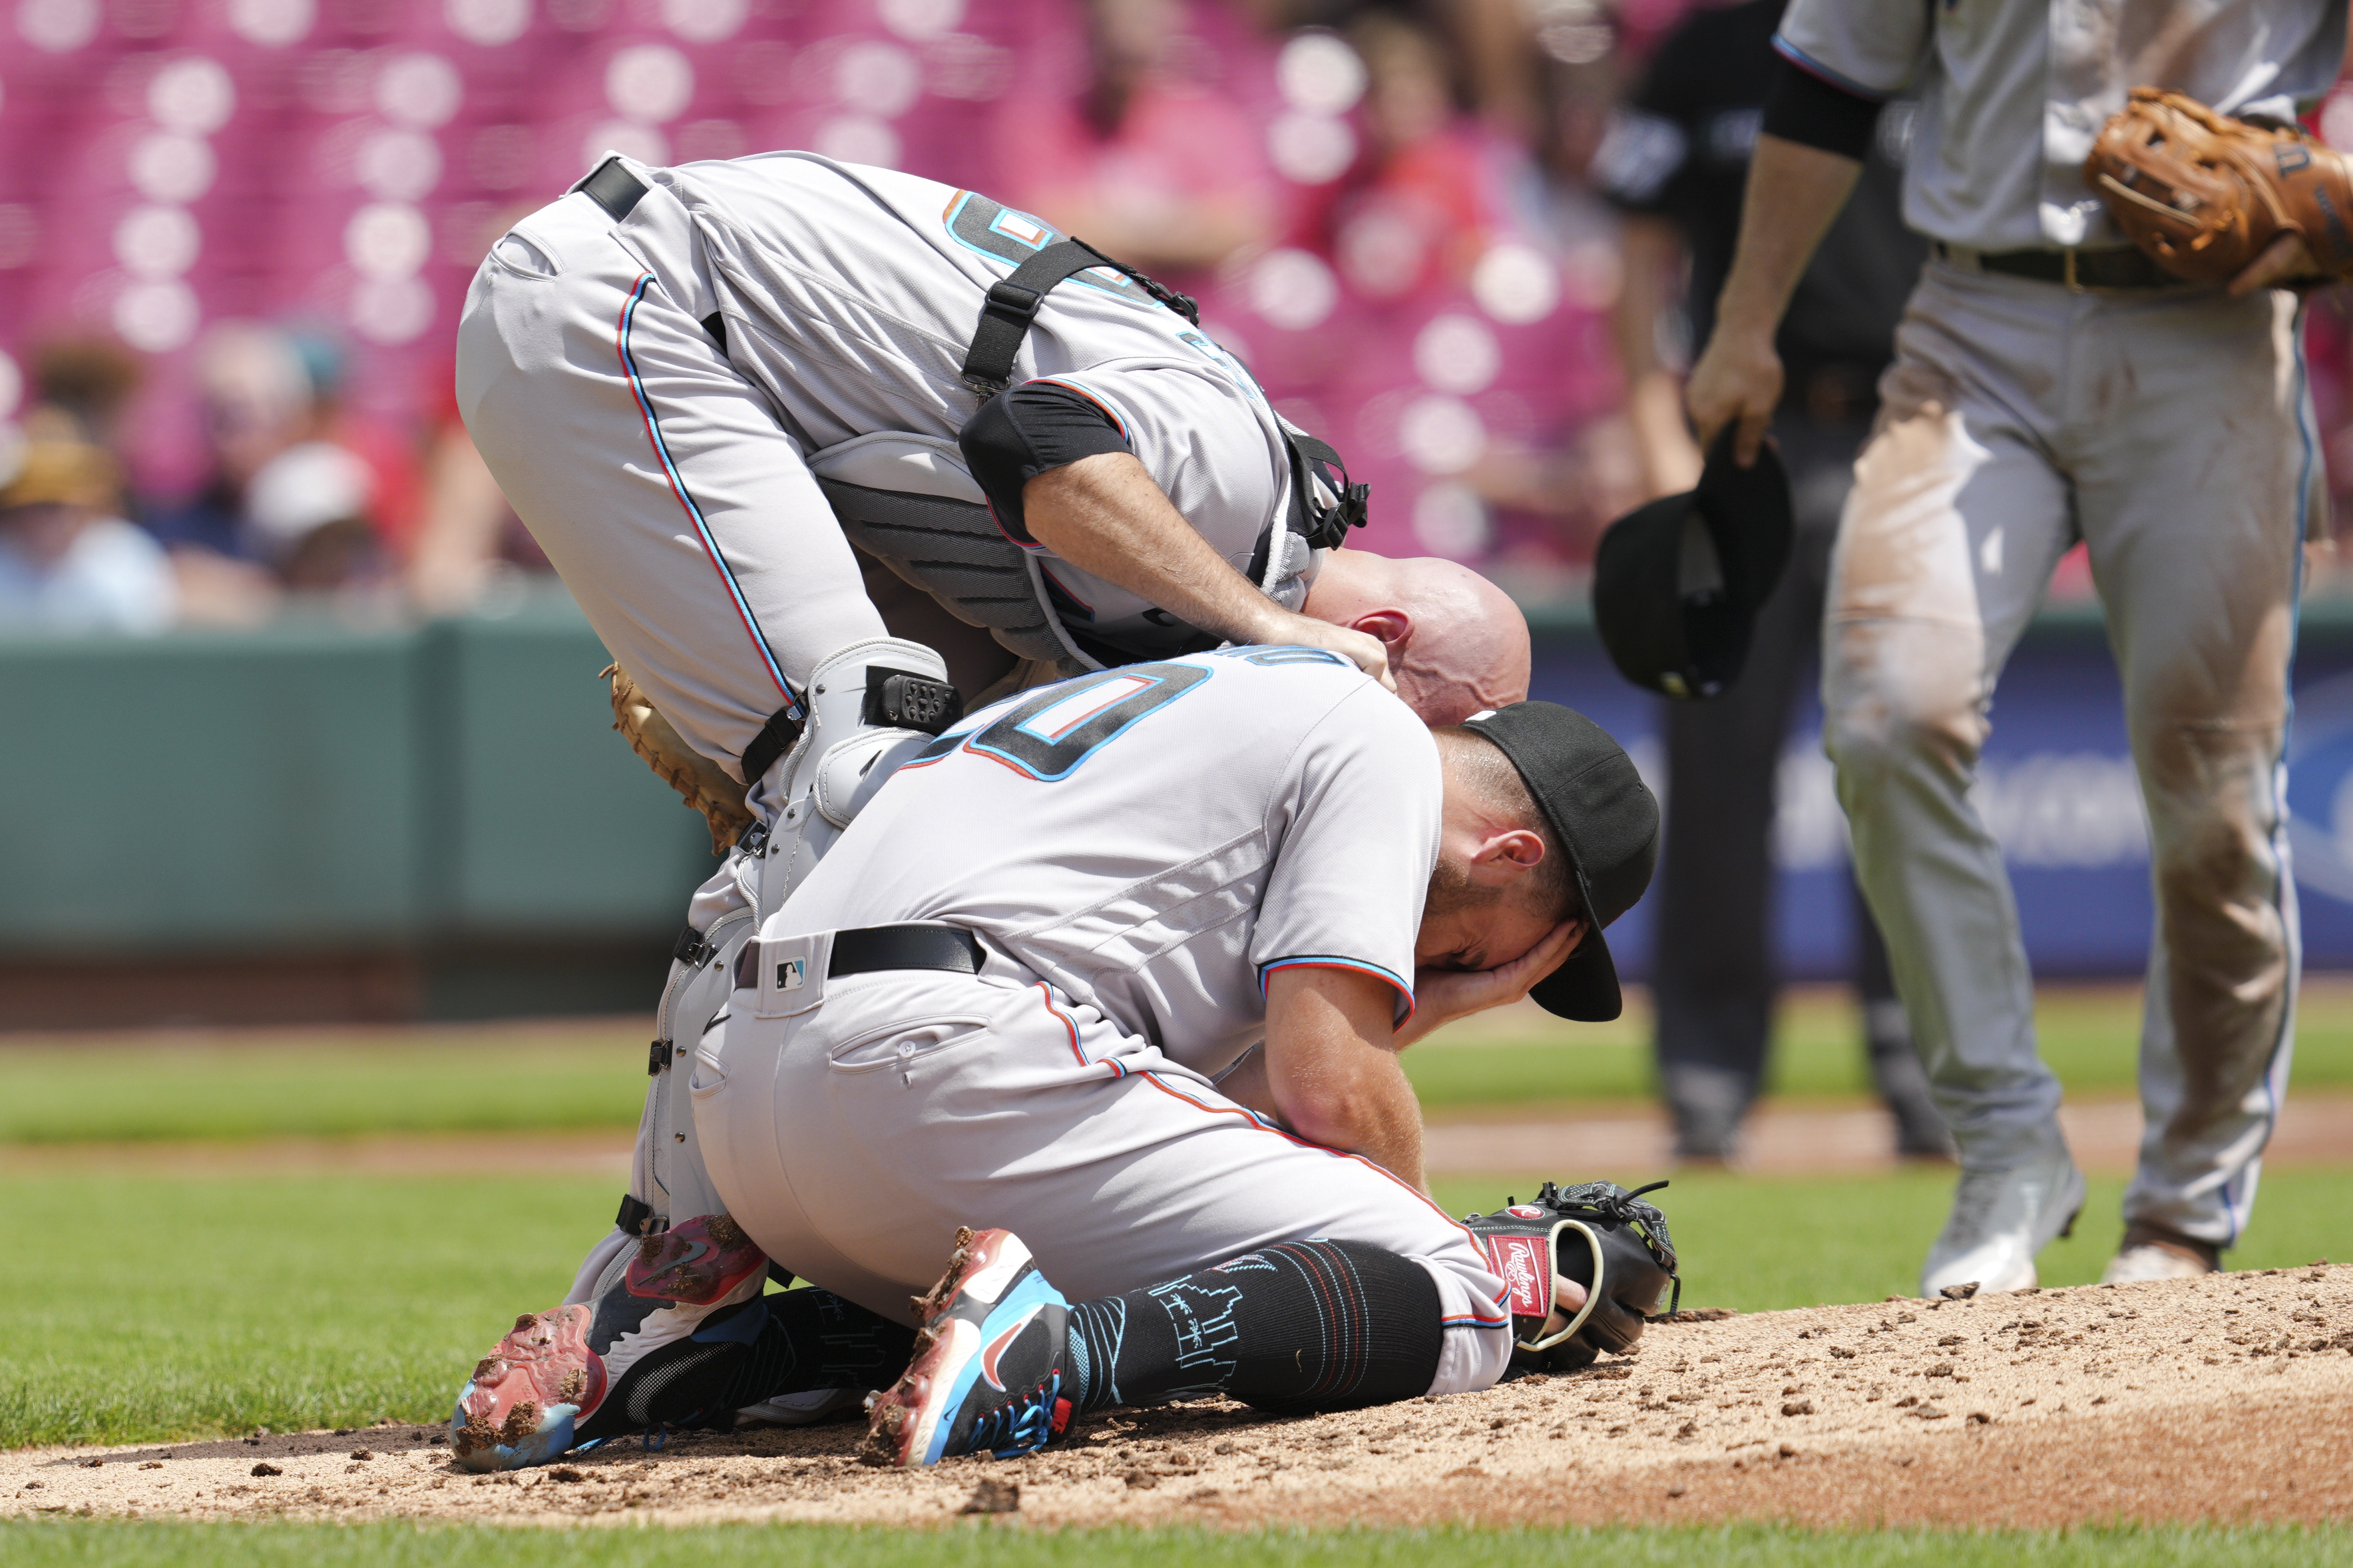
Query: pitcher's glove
{"points": [[1600, 1235], [2204, 194], [706, 788]]}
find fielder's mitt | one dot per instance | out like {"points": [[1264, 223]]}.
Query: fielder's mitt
{"points": [[2204, 194], [1600, 1235], [706, 788]]}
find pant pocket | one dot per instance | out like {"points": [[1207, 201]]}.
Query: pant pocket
{"points": [[901, 1045]]}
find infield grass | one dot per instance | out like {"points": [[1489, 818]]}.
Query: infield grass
{"points": [[169, 1309], [84, 1543], [591, 1073]]}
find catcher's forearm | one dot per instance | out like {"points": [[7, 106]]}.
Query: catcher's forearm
{"points": [[1331, 1071], [1794, 194], [1104, 515]]}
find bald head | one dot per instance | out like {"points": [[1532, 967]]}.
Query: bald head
{"points": [[1457, 643]]}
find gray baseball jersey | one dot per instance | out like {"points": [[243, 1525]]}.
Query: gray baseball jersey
{"points": [[2012, 91], [1079, 830], [851, 293], [1137, 848]]}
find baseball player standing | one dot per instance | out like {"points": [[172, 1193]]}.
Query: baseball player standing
{"points": [[1126, 962], [2052, 384]]}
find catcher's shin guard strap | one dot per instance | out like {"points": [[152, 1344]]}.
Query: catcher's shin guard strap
{"points": [[775, 738]]}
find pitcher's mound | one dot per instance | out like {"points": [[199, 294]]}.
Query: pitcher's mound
{"points": [[2225, 1399]]}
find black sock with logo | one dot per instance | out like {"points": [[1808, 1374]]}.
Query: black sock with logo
{"points": [[1305, 1325]]}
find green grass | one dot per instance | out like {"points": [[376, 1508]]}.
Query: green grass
{"points": [[61, 1089], [591, 1075], [165, 1309], [177, 1308], [86, 1544], [2090, 1034]]}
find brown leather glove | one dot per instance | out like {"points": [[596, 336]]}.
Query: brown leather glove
{"points": [[707, 787], [2204, 194]]}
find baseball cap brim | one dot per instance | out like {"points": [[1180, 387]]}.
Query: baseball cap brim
{"points": [[1585, 987], [1606, 820]]}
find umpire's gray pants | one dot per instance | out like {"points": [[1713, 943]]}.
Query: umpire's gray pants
{"points": [[2172, 431]]}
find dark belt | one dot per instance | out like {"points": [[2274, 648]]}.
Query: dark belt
{"points": [[867, 949], [614, 188], [2113, 269]]}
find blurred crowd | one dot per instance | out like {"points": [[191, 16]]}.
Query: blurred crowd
{"points": [[234, 237]]}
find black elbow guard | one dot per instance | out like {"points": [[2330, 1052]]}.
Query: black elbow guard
{"points": [[1025, 430], [1801, 107]]}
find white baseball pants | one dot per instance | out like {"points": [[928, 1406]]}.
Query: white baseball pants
{"points": [[852, 1138], [681, 513], [2172, 433]]}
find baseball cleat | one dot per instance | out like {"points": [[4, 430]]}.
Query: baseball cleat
{"points": [[2000, 1219], [988, 1369], [527, 1396], [534, 1395], [2148, 1253]]}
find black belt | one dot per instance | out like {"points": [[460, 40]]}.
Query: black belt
{"points": [[866, 949], [2114, 269], [614, 188]]}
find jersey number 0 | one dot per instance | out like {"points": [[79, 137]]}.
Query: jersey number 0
{"points": [[1047, 736]]}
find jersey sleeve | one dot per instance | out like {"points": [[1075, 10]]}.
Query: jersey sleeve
{"points": [[1202, 435], [1026, 430], [1354, 829], [1871, 49]]}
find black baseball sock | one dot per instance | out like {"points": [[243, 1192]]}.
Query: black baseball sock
{"points": [[789, 1342], [1307, 1325]]}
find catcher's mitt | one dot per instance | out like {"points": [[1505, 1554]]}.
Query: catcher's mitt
{"points": [[1600, 1235], [706, 788], [2204, 194]]}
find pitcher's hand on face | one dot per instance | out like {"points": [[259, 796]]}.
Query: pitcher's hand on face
{"points": [[1737, 379], [1367, 652], [1442, 996]]}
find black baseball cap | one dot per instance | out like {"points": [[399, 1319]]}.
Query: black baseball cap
{"points": [[1677, 582], [1603, 815]]}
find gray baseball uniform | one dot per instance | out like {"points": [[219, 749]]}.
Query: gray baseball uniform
{"points": [[1137, 849], [2169, 429], [668, 478], [650, 393]]}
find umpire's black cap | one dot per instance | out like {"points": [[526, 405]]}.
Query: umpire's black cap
{"points": [[1603, 815], [1677, 583]]}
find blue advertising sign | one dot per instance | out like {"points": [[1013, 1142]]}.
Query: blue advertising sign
{"points": [[2057, 787]]}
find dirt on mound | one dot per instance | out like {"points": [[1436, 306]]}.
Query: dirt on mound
{"points": [[2224, 1399]]}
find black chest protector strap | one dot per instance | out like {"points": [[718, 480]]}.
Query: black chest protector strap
{"points": [[1012, 306]]}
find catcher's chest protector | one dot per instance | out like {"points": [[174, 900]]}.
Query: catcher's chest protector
{"points": [[911, 501]]}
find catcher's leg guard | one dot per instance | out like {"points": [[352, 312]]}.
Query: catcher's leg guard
{"points": [[871, 707]]}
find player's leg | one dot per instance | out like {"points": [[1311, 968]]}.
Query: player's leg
{"points": [[1712, 976], [2195, 514], [1820, 458], [679, 512], [855, 1140], [1948, 543]]}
